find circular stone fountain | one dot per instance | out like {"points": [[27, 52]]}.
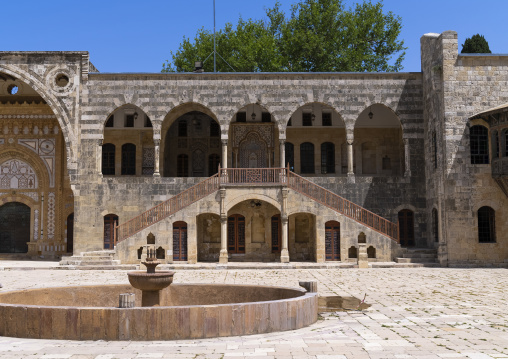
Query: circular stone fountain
{"points": [[176, 311], [150, 282]]}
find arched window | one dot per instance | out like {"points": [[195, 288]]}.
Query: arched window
{"points": [[479, 144], [128, 159], [108, 159], [290, 156], [495, 144], [182, 166], [406, 228], [327, 157], [213, 164], [435, 225], [307, 157], [486, 225]]}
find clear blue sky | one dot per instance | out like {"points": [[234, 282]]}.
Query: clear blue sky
{"points": [[137, 36]]}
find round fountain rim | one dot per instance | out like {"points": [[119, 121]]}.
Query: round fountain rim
{"points": [[304, 292]]}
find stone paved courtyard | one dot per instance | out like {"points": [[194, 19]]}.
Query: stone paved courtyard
{"points": [[415, 313]]}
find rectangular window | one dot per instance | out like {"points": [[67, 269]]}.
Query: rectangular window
{"points": [[434, 149], [214, 129], [111, 121], [266, 117], [306, 119], [327, 119], [289, 122], [182, 128], [241, 117], [148, 122], [129, 121]]}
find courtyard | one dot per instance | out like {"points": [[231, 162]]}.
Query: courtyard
{"points": [[414, 313]]}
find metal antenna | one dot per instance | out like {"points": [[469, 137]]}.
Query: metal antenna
{"points": [[214, 52]]}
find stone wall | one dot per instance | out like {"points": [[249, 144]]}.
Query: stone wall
{"points": [[458, 86]]}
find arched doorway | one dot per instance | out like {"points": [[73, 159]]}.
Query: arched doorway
{"points": [[180, 241], [109, 230], [406, 228], [14, 227], [70, 233], [236, 234], [332, 241]]}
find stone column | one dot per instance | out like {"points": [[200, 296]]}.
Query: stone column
{"points": [[99, 156], [282, 153], [407, 164], [284, 253], [223, 257], [156, 158], [224, 153], [350, 168]]}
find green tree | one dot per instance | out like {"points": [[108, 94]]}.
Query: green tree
{"points": [[476, 44], [318, 36]]}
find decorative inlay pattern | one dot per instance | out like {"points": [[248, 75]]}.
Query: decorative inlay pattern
{"points": [[32, 195], [45, 148], [36, 225], [51, 215], [17, 174], [148, 160], [265, 132]]}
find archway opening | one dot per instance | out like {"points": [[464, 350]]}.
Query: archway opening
{"points": [[192, 146], [315, 134], [14, 227], [252, 138], [378, 145], [128, 147], [110, 220]]}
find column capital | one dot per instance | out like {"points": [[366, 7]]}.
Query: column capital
{"points": [[157, 142], [224, 141], [100, 141], [282, 141]]}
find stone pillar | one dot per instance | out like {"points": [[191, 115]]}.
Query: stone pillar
{"points": [[350, 168], [407, 164], [156, 158], [223, 257], [282, 153], [284, 253], [99, 156], [363, 261], [224, 153]]}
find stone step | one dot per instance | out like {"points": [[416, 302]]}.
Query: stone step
{"points": [[98, 253], [419, 255], [416, 260]]}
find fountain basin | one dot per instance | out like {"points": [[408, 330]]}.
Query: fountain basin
{"points": [[186, 311], [150, 281]]}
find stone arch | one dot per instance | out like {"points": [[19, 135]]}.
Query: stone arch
{"points": [[60, 112], [303, 104], [317, 123], [170, 149], [230, 203], [114, 108], [246, 104]]}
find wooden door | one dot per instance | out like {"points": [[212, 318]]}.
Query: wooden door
{"points": [[109, 230], [14, 227], [276, 234], [332, 241], [70, 233], [406, 228], [236, 234], [180, 241]]}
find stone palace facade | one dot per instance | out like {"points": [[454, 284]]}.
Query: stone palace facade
{"points": [[255, 166]]}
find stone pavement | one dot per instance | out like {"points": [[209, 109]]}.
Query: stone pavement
{"points": [[416, 313]]}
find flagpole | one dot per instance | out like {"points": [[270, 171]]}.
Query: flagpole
{"points": [[214, 52]]}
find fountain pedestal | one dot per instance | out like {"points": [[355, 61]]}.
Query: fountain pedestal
{"points": [[150, 282]]}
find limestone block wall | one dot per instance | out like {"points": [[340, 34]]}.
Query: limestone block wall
{"points": [[222, 95], [459, 86]]}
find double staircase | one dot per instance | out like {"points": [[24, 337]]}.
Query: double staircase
{"points": [[228, 177]]}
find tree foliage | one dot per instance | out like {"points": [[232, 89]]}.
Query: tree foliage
{"points": [[476, 44], [318, 36]]}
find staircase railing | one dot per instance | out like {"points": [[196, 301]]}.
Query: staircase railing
{"points": [[256, 177], [343, 206], [167, 208]]}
